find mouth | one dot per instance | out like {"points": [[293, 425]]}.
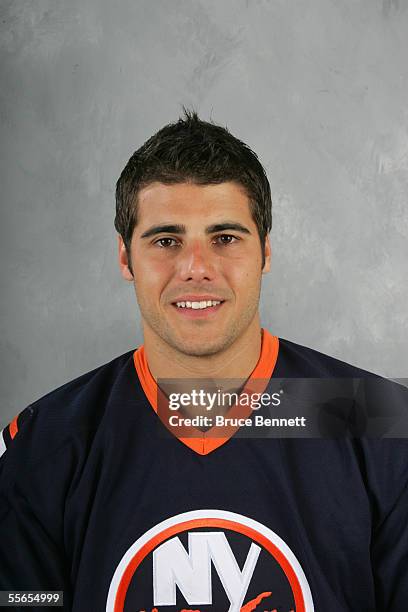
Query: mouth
{"points": [[197, 308]]}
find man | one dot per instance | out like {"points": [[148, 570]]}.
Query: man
{"points": [[115, 496]]}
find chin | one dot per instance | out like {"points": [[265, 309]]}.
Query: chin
{"points": [[199, 351], [201, 347]]}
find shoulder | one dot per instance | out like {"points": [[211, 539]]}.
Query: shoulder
{"points": [[75, 407], [381, 440], [379, 396], [302, 361]]}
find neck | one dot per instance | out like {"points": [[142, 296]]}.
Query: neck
{"points": [[235, 361]]}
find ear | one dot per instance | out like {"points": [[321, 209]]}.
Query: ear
{"points": [[124, 260], [268, 255]]}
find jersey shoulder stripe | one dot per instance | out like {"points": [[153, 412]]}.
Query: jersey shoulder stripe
{"points": [[12, 429], [69, 405]]}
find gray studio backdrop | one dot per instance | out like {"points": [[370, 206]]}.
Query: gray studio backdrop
{"points": [[318, 89]]}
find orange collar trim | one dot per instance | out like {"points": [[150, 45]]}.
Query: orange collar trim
{"points": [[201, 442]]}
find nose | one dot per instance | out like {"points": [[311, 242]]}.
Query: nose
{"points": [[196, 263]]}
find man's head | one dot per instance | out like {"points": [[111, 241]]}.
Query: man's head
{"points": [[193, 151], [193, 211]]}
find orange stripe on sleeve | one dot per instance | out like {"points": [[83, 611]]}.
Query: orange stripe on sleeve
{"points": [[13, 427]]}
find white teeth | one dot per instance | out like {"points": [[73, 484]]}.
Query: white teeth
{"points": [[198, 305]]}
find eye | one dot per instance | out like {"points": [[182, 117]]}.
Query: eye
{"points": [[224, 239], [165, 243]]}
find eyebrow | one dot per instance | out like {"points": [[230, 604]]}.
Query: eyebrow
{"points": [[181, 229]]}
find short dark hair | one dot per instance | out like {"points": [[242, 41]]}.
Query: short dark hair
{"points": [[192, 150]]}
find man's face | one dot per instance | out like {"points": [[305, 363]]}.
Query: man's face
{"points": [[196, 260]]}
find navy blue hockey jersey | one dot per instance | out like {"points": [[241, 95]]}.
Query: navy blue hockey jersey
{"points": [[98, 499]]}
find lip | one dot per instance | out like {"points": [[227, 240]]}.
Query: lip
{"points": [[198, 298], [199, 313]]}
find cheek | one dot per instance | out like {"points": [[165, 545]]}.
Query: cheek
{"points": [[245, 265], [244, 276], [151, 275]]}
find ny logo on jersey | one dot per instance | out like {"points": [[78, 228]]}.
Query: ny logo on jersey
{"points": [[191, 571], [212, 558]]}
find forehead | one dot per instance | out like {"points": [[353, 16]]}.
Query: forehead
{"points": [[190, 203]]}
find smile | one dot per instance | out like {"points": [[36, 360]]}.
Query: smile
{"points": [[198, 305]]}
